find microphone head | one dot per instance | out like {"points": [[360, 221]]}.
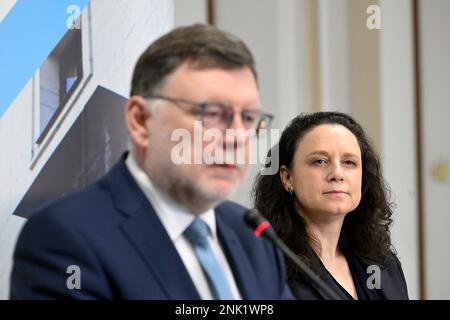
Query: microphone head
{"points": [[253, 218], [259, 224]]}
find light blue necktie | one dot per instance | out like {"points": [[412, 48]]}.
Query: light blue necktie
{"points": [[197, 233]]}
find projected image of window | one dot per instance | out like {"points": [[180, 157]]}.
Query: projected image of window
{"points": [[60, 74]]}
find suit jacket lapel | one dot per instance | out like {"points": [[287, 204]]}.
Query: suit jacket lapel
{"points": [[144, 229], [243, 272]]}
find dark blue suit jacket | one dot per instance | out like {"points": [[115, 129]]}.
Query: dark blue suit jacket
{"points": [[112, 233]]}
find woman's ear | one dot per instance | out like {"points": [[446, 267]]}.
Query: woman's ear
{"points": [[286, 178], [137, 113]]}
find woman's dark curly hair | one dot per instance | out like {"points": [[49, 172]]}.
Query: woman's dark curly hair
{"points": [[365, 230]]}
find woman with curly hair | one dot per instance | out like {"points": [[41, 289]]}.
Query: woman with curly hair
{"points": [[329, 203]]}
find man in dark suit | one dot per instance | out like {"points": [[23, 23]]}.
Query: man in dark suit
{"points": [[157, 226]]}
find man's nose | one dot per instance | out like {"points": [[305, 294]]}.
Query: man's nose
{"points": [[235, 121], [236, 134]]}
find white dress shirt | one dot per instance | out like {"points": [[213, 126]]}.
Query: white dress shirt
{"points": [[175, 220]]}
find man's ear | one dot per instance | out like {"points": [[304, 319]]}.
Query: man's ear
{"points": [[286, 178], [137, 113]]}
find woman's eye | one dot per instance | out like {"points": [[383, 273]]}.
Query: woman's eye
{"points": [[350, 163], [319, 162]]}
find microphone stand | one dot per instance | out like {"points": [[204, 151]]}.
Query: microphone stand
{"points": [[261, 226]]}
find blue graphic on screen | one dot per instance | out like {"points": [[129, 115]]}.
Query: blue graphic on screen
{"points": [[28, 34]]}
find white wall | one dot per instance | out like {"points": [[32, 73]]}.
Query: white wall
{"points": [[121, 30], [435, 79], [334, 53], [398, 131], [271, 30], [189, 12]]}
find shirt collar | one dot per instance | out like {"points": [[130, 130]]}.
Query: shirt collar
{"points": [[174, 217]]}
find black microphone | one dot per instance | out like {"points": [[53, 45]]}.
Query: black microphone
{"points": [[262, 227]]}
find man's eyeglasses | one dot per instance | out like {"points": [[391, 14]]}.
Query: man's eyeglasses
{"points": [[218, 115]]}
